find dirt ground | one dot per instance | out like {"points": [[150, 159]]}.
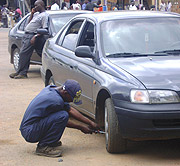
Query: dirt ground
{"points": [[79, 149]]}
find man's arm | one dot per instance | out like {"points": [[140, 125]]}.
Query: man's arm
{"points": [[32, 13], [78, 116], [85, 129]]}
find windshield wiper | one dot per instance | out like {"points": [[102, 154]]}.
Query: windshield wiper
{"points": [[175, 51], [127, 54], [123, 54]]}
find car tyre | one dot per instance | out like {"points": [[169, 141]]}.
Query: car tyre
{"points": [[16, 58], [51, 81], [114, 141]]}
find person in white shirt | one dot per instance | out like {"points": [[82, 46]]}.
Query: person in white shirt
{"points": [[63, 7], [169, 5], [76, 5], [55, 6], [163, 6], [132, 6]]}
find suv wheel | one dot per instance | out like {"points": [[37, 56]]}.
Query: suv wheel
{"points": [[16, 59], [114, 141]]}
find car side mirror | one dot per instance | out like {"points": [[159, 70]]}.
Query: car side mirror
{"points": [[43, 31], [84, 52]]}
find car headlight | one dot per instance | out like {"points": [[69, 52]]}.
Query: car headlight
{"points": [[154, 96], [139, 96]]}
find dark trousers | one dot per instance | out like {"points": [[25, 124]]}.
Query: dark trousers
{"points": [[48, 130], [25, 54]]}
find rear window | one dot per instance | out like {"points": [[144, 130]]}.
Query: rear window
{"points": [[23, 24], [59, 20]]}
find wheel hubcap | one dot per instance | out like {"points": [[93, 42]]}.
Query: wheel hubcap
{"points": [[16, 60]]}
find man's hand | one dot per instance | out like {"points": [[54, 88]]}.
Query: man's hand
{"points": [[86, 129], [32, 13], [94, 126], [34, 38], [33, 10], [78, 116]]}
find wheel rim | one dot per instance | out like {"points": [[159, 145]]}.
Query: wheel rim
{"points": [[16, 60], [106, 124]]}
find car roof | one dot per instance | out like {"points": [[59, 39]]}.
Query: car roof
{"points": [[113, 15], [54, 12]]}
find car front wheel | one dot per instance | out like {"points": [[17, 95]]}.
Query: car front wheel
{"points": [[114, 141], [16, 59]]}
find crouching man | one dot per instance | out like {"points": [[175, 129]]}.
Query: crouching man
{"points": [[48, 114]]}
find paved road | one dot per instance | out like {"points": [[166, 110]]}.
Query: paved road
{"points": [[79, 149]]}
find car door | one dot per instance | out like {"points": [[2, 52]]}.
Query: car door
{"points": [[63, 52], [72, 67], [20, 31], [84, 73]]}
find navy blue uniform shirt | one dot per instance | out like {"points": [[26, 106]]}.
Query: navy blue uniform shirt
{"points": [[46, 102]]}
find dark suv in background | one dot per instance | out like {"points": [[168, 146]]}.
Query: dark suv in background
{"points": [[56, 21]]}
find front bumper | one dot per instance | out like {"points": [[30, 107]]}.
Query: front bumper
{"points": [[148, 121]]}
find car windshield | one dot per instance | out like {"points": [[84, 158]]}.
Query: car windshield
{"points": [[140, 36], [59, 20]]}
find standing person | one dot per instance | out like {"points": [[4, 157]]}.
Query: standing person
{"points": [[38, 19], [169, 5], [18, 15], [76, 5], [84, 4], [63, 7], [100, 8], [48, 114], [67, 3], [55, 6], [132, 6], [115, 8], [90, 6], [5, 12], [163, 6]]}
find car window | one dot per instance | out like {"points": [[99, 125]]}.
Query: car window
{"points": [[87, 37], [58, 21], [23, 24], [140, 35], [71, 35]]}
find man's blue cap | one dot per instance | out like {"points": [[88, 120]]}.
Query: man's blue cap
{"points": [[74, 89]]}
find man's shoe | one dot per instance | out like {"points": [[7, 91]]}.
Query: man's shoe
{"points": [[13, 75], [56, 144], [20, 76], [48, 151]]}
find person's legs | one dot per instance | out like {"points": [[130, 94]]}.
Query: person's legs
{"points": [[53, 127], [25, 56], [48, 132]]}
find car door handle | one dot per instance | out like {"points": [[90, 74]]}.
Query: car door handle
{"points": [[60, 63], [73, 67]]}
